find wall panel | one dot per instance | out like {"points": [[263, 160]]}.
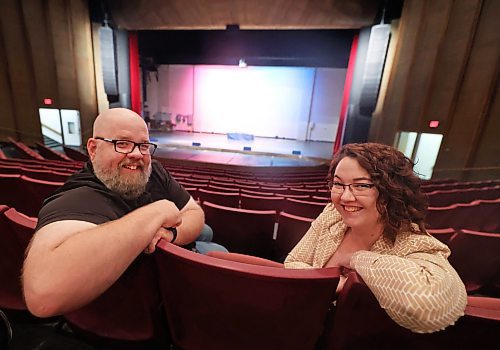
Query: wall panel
{"points": [[446, 68], [83, 59], [20, 71], [451, 61], [421, 74], [7, 119], [471, 111], [397, 85], [488, 149], [61, 31], [45, 51], [41, 51]]}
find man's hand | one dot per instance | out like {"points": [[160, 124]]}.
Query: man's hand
{"points": [[161, 233], [172, 215], [172, 218]]}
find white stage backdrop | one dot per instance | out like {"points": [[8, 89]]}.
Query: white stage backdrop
{"points": [[290, 102]]}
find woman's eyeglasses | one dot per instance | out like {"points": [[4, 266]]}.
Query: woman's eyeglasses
{"points": [[357, 189]]}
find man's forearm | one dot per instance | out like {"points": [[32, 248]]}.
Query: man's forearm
{"points": [[70, 270], [192, 224]]}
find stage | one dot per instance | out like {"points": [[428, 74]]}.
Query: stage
{"points": [[261, 151]]}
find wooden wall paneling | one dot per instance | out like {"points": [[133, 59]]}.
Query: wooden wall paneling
{"points": [[451, 62], [392, 109], [471, 111], [41, 52], [430, 37], [20, 72], [489, 112], [61, 32], [255, 14], [7, 116], [488, 148], [84, 60]]}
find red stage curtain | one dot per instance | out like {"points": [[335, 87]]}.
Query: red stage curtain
{"points": [[135, 83]]}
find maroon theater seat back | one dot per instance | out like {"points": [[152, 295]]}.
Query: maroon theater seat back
{"points": [[442, 234], [262, 202], [228, 199], [291, 229], [241, 230], [480, 215], [12, 257], [129, 310], [35, 192], [243, 258], [360, 323], [215, 304], [476, 257], [304, 208], [11, 191]]}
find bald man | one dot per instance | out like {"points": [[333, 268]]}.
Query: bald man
{"points": [[98, 224]]}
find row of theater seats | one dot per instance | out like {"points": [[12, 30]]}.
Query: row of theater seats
{"points": [[263, 233], [43, 152], [479, 215], [442, 198], [235, 301], [24, 193], [428, 186], [474, 255], [25, 183], [304, 205]]}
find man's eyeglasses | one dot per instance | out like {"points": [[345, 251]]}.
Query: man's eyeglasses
{"points": [[126, 147], [359, 189]]}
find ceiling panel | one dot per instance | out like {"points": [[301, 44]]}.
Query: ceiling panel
{"points": [[248, 14]]}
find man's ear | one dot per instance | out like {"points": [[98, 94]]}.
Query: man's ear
{"points": [[91, 147]]}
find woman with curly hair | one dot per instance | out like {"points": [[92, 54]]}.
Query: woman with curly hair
{"points": [[375, 226]]}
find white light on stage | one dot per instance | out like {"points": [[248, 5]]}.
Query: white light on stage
{"points": [[242, 63]]}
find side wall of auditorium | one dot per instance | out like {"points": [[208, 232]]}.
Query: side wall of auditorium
{"points": [[444, 66]]}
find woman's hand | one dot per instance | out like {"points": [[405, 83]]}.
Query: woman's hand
{"points": [[340, 258]]}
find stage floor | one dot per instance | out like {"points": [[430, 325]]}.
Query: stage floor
{"points": [[217, 148]]}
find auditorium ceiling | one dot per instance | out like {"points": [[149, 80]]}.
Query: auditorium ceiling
{"points": [[247, 14]]}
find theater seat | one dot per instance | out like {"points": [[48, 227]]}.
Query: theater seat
{"points": [[228, 199], [262, 202], [360, 323], [241, 230], [139, 325], [35, 192], [291, 229], [243, 258], [11, 259], [304, 208], [476, 257], [442, 234], [215, 304]]}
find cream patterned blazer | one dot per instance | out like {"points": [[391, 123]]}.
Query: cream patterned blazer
{"points": [[411, 278]]}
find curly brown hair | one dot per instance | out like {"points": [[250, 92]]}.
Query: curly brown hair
{"points": [[400, 201]]}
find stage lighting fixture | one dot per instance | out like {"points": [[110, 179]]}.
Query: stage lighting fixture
{"points": [[242, 63]]}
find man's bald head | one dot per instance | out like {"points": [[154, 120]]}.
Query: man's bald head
{"points": [[114, 118]]}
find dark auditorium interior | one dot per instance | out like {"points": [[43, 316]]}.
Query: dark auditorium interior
{"points": [[248, 100]]}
